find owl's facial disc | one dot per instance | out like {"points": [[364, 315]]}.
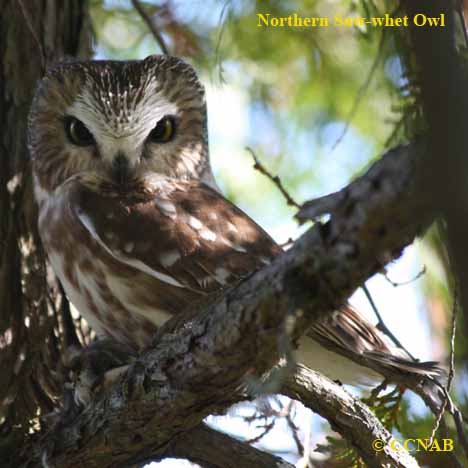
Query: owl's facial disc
{"points": [[121, 121], [122, 152], [140, 138]]}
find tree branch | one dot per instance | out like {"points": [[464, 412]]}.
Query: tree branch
{"points": [[198, 365], [151, 26], [275, 179], [348, 416], [213, 449]]}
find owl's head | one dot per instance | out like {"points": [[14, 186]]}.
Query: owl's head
{"points": [[120, 121]]}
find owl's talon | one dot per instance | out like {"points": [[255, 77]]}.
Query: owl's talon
{"points": [[96, 367]]}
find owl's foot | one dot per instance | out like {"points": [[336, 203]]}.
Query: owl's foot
{"points": [[97, 367]]}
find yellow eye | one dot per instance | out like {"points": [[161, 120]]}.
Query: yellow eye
{"points": [[164, 130]]}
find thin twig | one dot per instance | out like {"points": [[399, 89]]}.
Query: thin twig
{"points": [[381, 325], [438, 418], [453, 409], [458, 419], [275, 179], [28, 19], [266, 429], [294, 429], [376, 392], [453, 332], [266, 411], [451, 370], [221, 28], [149, 22], [361, 91], [404, 283]]}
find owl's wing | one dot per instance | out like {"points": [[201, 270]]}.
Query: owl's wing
{"points": [[183, 233], [189, 236], [347, 331]]}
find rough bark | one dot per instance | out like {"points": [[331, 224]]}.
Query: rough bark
{"points": [[31, 34], [212, 449], [200, 367], [348, 416]]}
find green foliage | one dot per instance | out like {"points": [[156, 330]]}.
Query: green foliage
{"points": [[386, 406], [341, 453]]}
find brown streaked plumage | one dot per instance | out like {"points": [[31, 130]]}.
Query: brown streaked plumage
{"points": [[132, 219], [158, 247]]}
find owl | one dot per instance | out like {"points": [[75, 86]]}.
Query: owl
{"points": [[134, 224]]}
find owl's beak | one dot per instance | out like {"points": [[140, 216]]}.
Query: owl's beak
{"points": [[121, 169]]}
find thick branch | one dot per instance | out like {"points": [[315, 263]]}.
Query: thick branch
{"points": [[348, 416], [212, 449], [198, 367]]}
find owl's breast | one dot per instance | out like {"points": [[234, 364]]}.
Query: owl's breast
{"points": [[115, 299]]}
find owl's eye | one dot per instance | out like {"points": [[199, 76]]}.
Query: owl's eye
{"points": [[164, 130], [77, 132]]}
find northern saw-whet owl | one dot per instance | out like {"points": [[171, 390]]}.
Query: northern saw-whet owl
{"points": [[132, 220]]}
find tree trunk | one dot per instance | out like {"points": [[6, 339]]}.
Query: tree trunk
{"points": [[33, 34]]}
